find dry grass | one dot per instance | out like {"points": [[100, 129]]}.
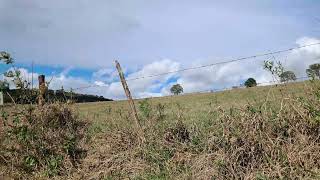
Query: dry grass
{"points": [[256, 133]]}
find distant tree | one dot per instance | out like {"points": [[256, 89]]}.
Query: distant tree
{"points": [[176, 89], [250, 82], [314, 70], [287, 76]]}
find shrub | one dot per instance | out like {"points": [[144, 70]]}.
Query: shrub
{"points": [[44, 139]]}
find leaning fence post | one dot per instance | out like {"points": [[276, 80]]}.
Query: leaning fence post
{"points": [[42, 90], [130, 101]]}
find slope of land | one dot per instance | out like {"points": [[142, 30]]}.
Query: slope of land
{"points": [[269, 132]]}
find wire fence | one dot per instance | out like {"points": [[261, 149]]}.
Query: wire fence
{"points": [[240, 59]]}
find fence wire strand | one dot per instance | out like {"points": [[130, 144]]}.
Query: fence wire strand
{"points": [[211, 65]]}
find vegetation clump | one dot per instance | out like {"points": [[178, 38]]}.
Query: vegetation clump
{"points": [[40, 139]]}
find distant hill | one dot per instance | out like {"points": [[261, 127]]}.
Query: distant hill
{"points": [[29, 96]]}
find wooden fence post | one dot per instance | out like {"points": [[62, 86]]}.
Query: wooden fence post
{"points": [[1, 98], [130, 101], [42, 90]]}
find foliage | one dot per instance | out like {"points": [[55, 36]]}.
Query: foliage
{"points": [[145, 108], [314, 70], [14, 75], [250, 82], [176, 89], [4, 85], [6, 57], [287, 76], [46, 139], [276, 69]]}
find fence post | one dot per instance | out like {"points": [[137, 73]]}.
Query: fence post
{"points": [[1, 98], [42, 90], [130, 101]]}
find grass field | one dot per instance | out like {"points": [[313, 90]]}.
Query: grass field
{"points": [[196, 104], [270, 132], [205, 136]]}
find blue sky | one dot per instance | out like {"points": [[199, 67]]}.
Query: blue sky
{"points": [[76, 41]]}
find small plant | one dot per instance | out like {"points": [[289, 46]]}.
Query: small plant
{"points": [[30, 162], [145, 108], [54, 164]]}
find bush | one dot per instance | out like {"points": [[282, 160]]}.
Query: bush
{"points": [[45, 139]]}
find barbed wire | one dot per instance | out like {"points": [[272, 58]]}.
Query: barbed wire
{"points": [[205, 66], [225, 62], [238, 86]]}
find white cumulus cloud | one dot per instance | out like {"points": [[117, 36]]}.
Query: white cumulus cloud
{"points": [[105, 82]]}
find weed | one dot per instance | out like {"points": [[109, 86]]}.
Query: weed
{"points": [[145, 108]]}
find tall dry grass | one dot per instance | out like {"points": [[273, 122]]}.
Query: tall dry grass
{"points": [[274, 137], [268, 139]]}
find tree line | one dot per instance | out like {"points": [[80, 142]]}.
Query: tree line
{"points": [[24, 94]]}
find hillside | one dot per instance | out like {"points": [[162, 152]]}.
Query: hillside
{"points": [[269, 132], [204, 101], [209, 135]]}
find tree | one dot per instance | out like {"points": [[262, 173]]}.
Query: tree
{"points": [[176, 89], [314, 70], [250, 82], [287, 76]]}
